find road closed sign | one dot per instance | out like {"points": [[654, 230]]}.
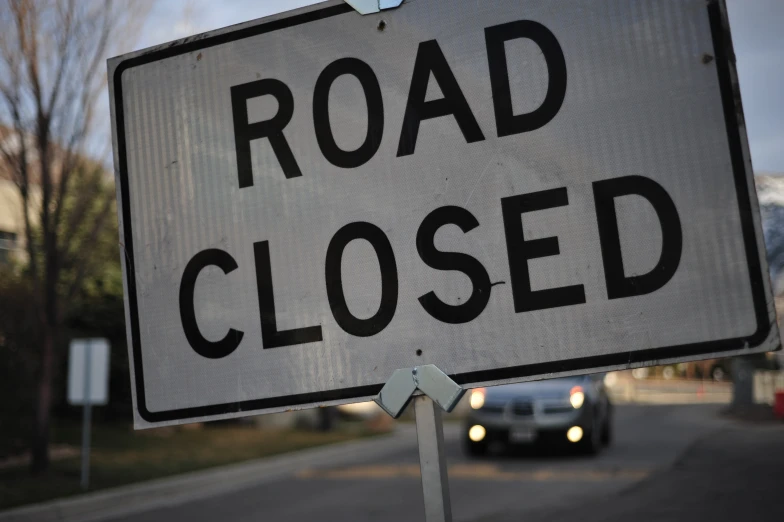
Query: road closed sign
{"points": [[507, 190]]}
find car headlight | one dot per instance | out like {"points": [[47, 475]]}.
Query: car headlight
{"points": [[577, 397], [575, 434], [477, 433], [477, 399]]}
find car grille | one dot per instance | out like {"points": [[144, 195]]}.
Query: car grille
{"points": [[522, 408], [558, 409], [493, 408]]}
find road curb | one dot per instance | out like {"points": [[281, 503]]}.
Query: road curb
{"points": [[179, 489]]}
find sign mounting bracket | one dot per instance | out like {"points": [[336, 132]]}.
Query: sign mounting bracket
{"points": [[365, 7], [428, 379]]}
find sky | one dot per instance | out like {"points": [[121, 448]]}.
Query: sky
{"points": [[755, 24]]}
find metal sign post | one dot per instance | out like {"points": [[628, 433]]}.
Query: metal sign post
{"points": [[432, 391], [87, 414], [432, 461]]}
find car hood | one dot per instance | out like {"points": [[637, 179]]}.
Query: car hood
{"points": [[555, 388]]}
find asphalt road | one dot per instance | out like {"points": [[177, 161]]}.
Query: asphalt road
{"points": [[666, 463]]}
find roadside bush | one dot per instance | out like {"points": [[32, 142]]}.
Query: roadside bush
{"points": [[18, 363]]}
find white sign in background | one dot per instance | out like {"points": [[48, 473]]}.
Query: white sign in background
{"points": [[601, 187], [88, 372]]}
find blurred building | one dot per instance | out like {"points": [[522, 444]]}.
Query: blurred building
{"points": [[12, 218], [11, 221], [770, 193], [12, 228]]}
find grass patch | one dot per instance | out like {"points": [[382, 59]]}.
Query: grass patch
{"points": [[123, 456]]}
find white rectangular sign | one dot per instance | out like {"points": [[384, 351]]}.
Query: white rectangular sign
{"points": [[507, 190], [88, 371]]}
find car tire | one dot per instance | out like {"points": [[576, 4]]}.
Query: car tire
{"points": [[607, 431], [591, 443]]}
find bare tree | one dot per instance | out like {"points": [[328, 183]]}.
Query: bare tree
{"points": [[52, 75]]}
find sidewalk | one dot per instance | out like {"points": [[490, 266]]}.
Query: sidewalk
{"points": [[180, 489]]}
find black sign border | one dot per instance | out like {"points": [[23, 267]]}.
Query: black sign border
{"points": [[722, 47]]}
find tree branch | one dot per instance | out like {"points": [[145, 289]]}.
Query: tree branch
{"points": [[66, 21]]}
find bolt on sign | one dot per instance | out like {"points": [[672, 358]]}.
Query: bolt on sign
{"points": [[508, 190]]}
